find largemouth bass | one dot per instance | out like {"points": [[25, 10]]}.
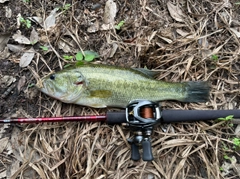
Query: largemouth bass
{"points": [[101, 86]]}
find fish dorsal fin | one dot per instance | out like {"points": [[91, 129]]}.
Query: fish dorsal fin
{"points": [[147, 72]]}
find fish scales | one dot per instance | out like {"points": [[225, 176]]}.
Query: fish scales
{"points": [[102, 85]]}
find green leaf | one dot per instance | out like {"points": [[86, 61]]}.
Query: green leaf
{"points": [[228, 118], [224, 146], [120, 24], [22, 19], [87, 56], [67, 65], [31, 85], [25, 22], [90, 55], [28, 23], [79, 56], [67, 57], [67, 6], [214, 57], [44, 48], [226, 157], [236, 141]]}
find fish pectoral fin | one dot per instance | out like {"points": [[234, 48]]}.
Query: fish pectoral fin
{"points": [[69, 97], [100, 93]]}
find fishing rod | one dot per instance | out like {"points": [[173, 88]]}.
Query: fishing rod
{"points": [[140, 116]]}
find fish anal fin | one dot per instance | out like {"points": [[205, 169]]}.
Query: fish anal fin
{"points": [[97, 105]]}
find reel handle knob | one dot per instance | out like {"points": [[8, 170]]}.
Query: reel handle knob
{"points": [[147, 150], [135, 155]]}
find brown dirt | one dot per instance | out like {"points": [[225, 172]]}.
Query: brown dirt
{"points": [[202, 45]]}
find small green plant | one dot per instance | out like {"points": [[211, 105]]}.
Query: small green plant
{"points": [[80, 57], [228, 118], [227, 157], [224, 146], [25, 22], [65, 7], [120, 24], [236, 142], [215, 57], [44, 48], [86, 55], [230, 125], [26, 1], [67, 57], [67, 65], [221, 169], [31, 85]]}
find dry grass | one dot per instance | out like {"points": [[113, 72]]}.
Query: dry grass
{"points": [[200, 42]]}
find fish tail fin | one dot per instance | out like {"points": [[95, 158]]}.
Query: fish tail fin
{"points": [[197, 91]]}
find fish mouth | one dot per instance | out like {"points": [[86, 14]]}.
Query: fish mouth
{"points": [[43, 87], [39, 84]]}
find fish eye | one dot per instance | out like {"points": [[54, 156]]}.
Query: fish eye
{"points": [[52, 77]]}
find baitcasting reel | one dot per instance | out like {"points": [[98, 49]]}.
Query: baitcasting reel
{"points": [[141, 116]]}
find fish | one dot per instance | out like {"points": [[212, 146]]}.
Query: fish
{"points": [[101, 86]]}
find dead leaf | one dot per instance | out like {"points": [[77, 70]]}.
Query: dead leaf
{"points": [[94, 27], [39, 20], [21, 83], [8, 12], [12, 168], [18, 37], [4, 40], [34, 37], [110, 12], [175, 12], [19, 16], [27, 57], [106, 27], [216, 50], [3, 143], [237, 131], [203, 43], [64, 46], [227, 167], [3, 1], [15, 48], [237, 33], [50, 21], [3, 129], [182, 32], [166, 39], [7, 80], [189, 62], [3, 174], [113, 50], [4, 54]]}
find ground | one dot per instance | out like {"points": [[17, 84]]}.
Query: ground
{"points": [[183, 40]]}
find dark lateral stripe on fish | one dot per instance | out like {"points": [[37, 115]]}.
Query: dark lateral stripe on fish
{"points": [[197, 91]]}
